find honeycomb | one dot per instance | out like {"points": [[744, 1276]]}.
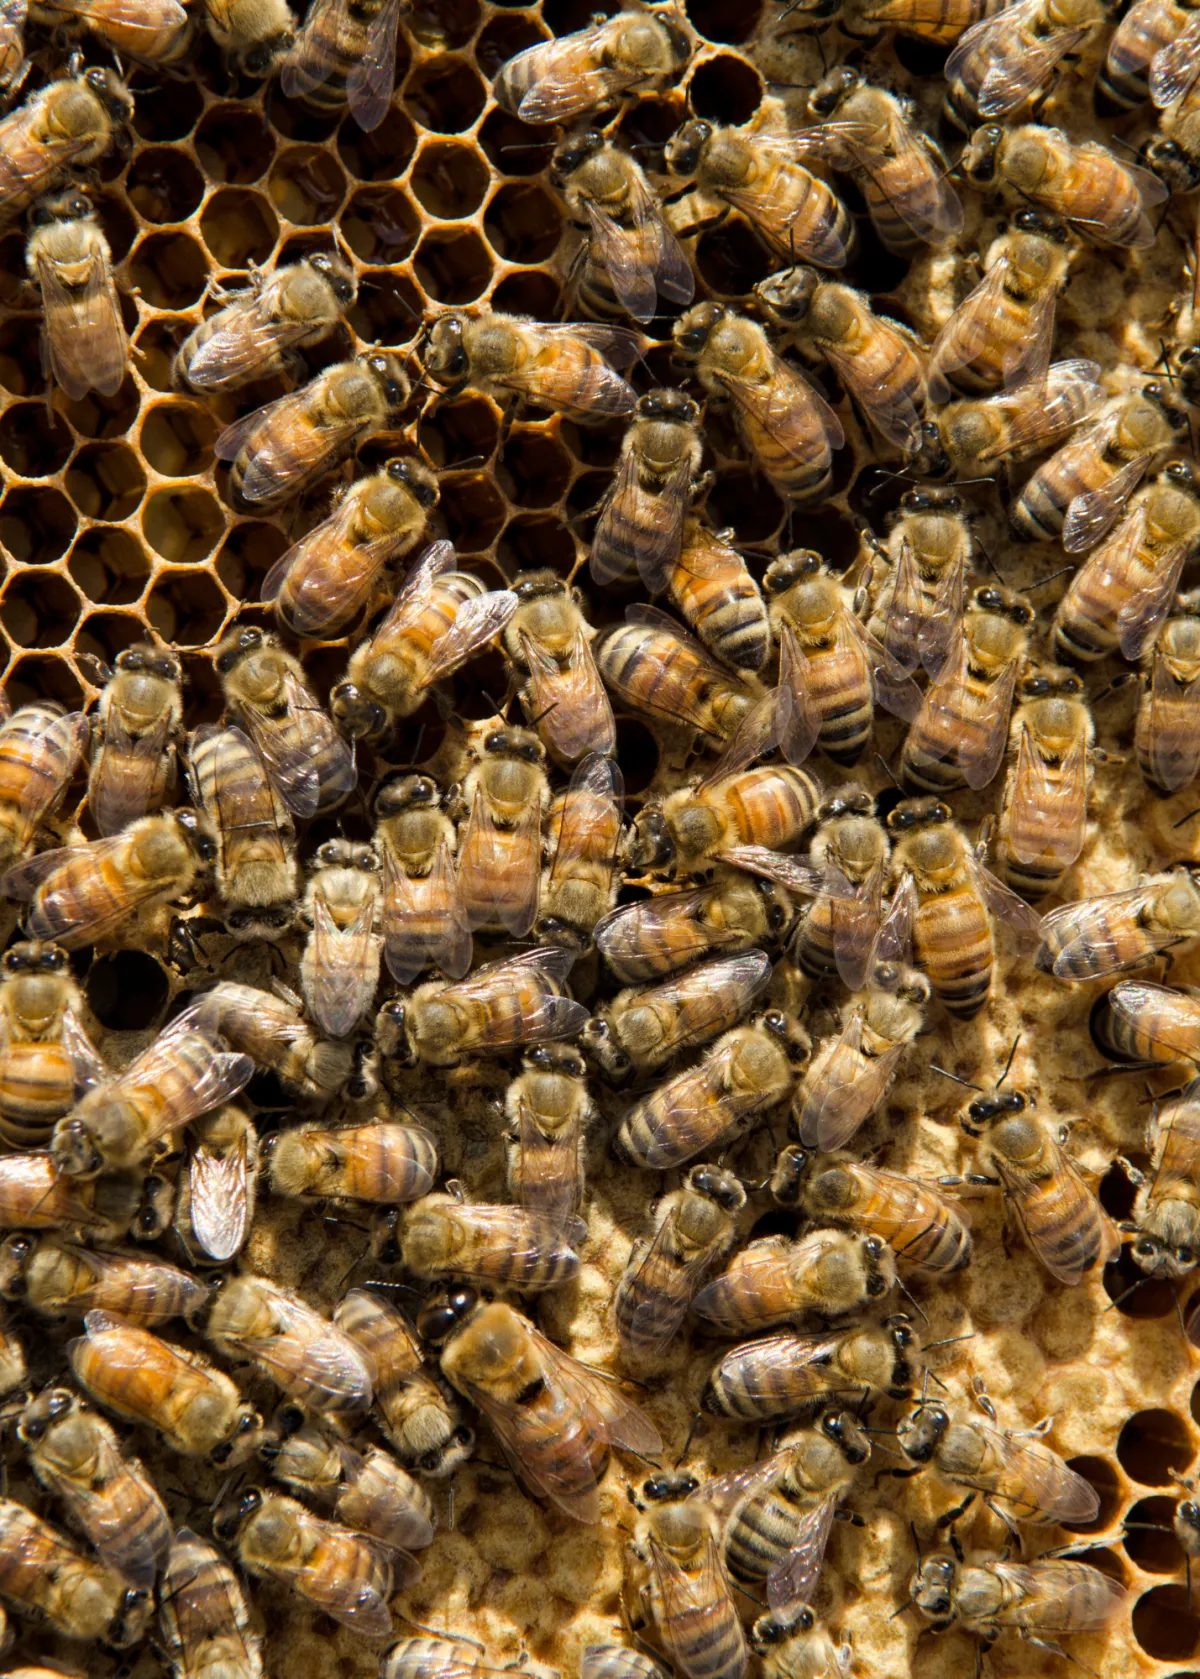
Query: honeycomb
{"points": [[113, 522]]}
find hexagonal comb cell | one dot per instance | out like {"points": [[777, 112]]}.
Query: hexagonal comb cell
{"points": [[164, 185], [43, 676], [306, 185], [177, 438], [106, 481], [449, 180], [446, 95], [238, 227], [104, 635], [380, 155], [523, 223], [21, 371], [186, 607], [34, 442], [453, 266], [233, 146], [184, 526], [246, 556], [1153, 1446], [39, 609], [380, 224], [110, 566], [36, 523], [169, 269]]}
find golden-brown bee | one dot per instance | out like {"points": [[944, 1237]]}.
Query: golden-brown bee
{"points": [[337, 1571], [14, 1367], [75, 1455], [1060, 1218], [922, 1228], [35, 1195], [270, 1028], [565, 368], [629, 257], [549, 644], [790, 1644], [658, 936], [1138, 1021], [254, 35], [971, 435], [655, 667], [846, 869], [941, 21], [582, 838], [367, 1492], [1120, 931], [747, 1072], [43, 1575], [504, 798], [1005, 60], [714, 589], [130, 1371], [960, 732], [254, 854], [851, 1074], [381, 1162], [642, 521], [204, 1623], [762, 177], [1043, 810], [47, 1061], [256, 334], [459, 1658], [500, 1007], [509, 1249], [422, 916], [1165, 1221], [217, 1185], [875, 359], [60, 1280], [616, 1661], [1173, 153], [438, 620], [69, 260], [1167, 735], [1152, 54], [13, 16], [284, 448], [416, 1410], [40, 746], [138, 717], [929, 549], [695, 1226], [676, 1584], [1102, 198], [644, 1029], [1037, 1600], [548, 1109], [825, 1275], [339, 970], [789, 431], [158, 34], [787, 1375], [769, 807], [554, 1417], [323, 581], [66, 124], [346, 55], [634, 52]]}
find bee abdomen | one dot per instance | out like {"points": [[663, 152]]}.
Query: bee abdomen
{"points": [[953, 944], [36, 1089]]}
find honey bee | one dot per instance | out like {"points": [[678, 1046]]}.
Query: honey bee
{"points": [[658, 475], [969, 436], [217, 1187], [658, 936], [851, 1074], [564, 368], [458, 1658], [555, 1419], [13, 16], [75, 1455], [339, 970], [256, 334], [1152, 48], [629, 256], [269, 1027], [35, 1195], [1060, 1218], [69, 260], [369, 1493], [768, 807], [1173, 153], [654, 667], [437, 621], [790, 1645], [940, 21], [875, 360], [1120, 931], [66, 124], [138, 718], [1167, 735], [323, 581], [253, 35], [583, 835], [60, 1280], [14, 1367], [1003, 61], [617, 1661], [1043, 811], [847, 867], [254, 857], [504, 797], [381, 1162], [1138, 1021], [785, 1376], [548, 1109], [794, 213], [500, 1007], [788, 430], [645, 1029], [284, 448], [174, 1390], [929, 548], [1101, 198], [922, 1228], [47, 1060], [204, 1623], [748, 1071], [826, 1274], [959, 734], [1031, 1599], [571, 75], [506, 1248], [345, 54], [422, 915], [695, 1226], [676, 1583], [338, 1572], [40, 747], [549, 645], [416, 1410], [714, 589], [42, 1574]]}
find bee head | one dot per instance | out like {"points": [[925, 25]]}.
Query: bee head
{"points": [[416, 478], [666, 404], [399, 792], [127, 1624], [1174, 167], [926, 454], [233, 1516], [47, 1408], [911, 814], [385, 1236], [847, 801], [31, 956], [446, 1312], [74, 1149], [686, 147], [260, 59], [391, 1033], [151, 661], [1187, 1516], [1182, 474], [197, 833], [789, 569], [793, 1168], [111, 92], [788, 295], [446, 353], [667, 1488], [828, 95], [247, 1422], [341, 280], [598, 1041], [573, 152], [995, 1105], [1046, 227], [922, 1433], [692, 331], [247, 640], [720, 1186], [933, 1588], [1162, 1259], [780, 1625], [515, 743], [979, 159], [679, 42], [356, 717], [388, 373], [652, 846]]}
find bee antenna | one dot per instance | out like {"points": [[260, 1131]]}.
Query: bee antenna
{"points": [[1008, 1064], [1042, 581], [887, 770], [431, 1632], [690, 1435], [950, 1341], [1186, 818], [934, 1068], [916, 1304]]}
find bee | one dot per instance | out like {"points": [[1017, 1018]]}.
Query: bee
{"points": [[785, 1376], [549, 1110], [1167, 735], [617, 1661], [13, 16], [204, 1623], [1123, 593], [269, 1028], [695, 1226], [282, 449], [645, 511], [505, 797], [338, 1572], [339, 970], [922, 1228], [174, 1390], [381, 1162], [789, 431], [47, 1060], [634, 52], [438, 620], [930, 548], [65, 125], [422, 915], [954, 897], [1173, 153], [969, 436], [875, 360], [416, 1410], [14, 1368], [1063, 1223], [1152, 46], [1138, 1021], [75, 1455], [1032, 1599], [769, 807], [573, 369], [960, 732], [40, 747], [345, 54], [506, 1248], [629, 257], [1100, 198], [254, 861], [1043, 812], [851, 1074], [256, 334], [656, 668], [59, 1279], [314, 1361], [137, 721], [458, 1658], [658, 936], [1003, 61], [794, 213], [502, 1006], [323, 581], [847, 867], [253, 35], [42, 1574], [1120, 931], [549, 645], [583, 835], [748, 1071], [35, 1195], [677, 1585], [369, 1493], [790, 1645], [645, 1029], [713, 588], [826, 1274], [555, 1419], [69, 260]]}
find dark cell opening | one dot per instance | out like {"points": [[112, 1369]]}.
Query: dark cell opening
{"points": [[186, 607], [168, 111], [306, 185], [94, 415], [534, 468], [36, 525], [388, 310], [528, 543], [461, 431], [105, 634], [21, 356], [34, 442], [380, 155], [380, 224], [239, 227], [528, 292], [473, 511], [39, 609], [109, 566], [1099, 1473], [514, 147], [43, 676], [725, 88], [170, 269], [1135, 1294], [157, 343], [177, 438], [1150, 1539], [504, 38], [523, 223], [247, 555], [1151, 1445], [449, 180], [126, 991], [233, 145], [1165, 1626], [183, 525], [164, 185], [453, 267], [446, 95]]}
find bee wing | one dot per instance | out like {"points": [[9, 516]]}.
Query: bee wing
{"points": [[893, 687], [1020, 71], [668, 269], [219, 1199], [773, 404], [1093, 514], [333, 1364], [627, 933], [1142, 616], [345, 968], [835, 143], [938, 626], [1024, 924], [446, 933], [33, 160], [1008, 41], [135, 1547], [621, 251], [795, 874], [660, 533], [1050, 412], [358, 563], [663, 624], [815, 239], [231, 439], [1053, 1493], [363, 1607], [1136, 1002], [723, 1494], [596, 777], [1174, 68], [1088, 1602], [1047, 815], [934, 214], [284, 451], [794, 1577], [905, 616], [893, 941], [687, 1596], [554, 1016], [372, 78], [127, 772], [492, 859], [757, 734], [12, 38], [621, 346], [85, 334], [89, 1068], [967, 332], [1080, 921], [557, 1191], [569, 79], [477, 622], [856, 923], [239, 348], [798, 720], [66, 737], [570, 703], [847, 1092], [432, 563], [893, 412], [1172, 744], [287, 755]]}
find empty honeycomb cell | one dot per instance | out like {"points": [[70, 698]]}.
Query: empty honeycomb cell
{"points": [[730, 261], [529, 542], [454, 267], [1152, 1444], [1150, 1540], [239, 227], [716, 20], [482, 693], [127, 990], [156, 345], [164, 185], [36, 523], [637, 754], [747, 505], [725, 89], [183, 525], [503, 38], [233, 144], [168, 111], [246, 556], [186, 607], [474, 512], [534, 468], [382, 154], [169, 269], [528, 291], [13, 287], [43, 676], [388, 309], [446, 94], [1133, 1292], [563, 17], [110, 566], [513, 147], [1166, 1625], [457, 432], [450, 180], [34, 441], [21, 370], [105, 634], [106, 481], [587, 492], [380, 224], [306, 185], [177, 438], [649, 123], [523, 223], [1102, 1477], [39, 609]]}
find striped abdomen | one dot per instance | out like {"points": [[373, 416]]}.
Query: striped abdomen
{"points": [[772, 805], [35, 766], [1074, 471], [899, 192], [774, 1377], [725, 609], [793, 451], [1085, 624], [952, 943], [705, 1633], [921, 1228], [1062, 1220], [839, 686], [1007, 340], [950, 731], [653, 672], [942, 21], [1147, 27], [37, 1086]]}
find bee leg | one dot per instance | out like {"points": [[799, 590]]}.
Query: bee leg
{"points": [[184, 950], [949, 1518], [979, 1394]]}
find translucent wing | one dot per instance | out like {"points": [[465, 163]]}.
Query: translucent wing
{"points": [[595, 777], [1141, 617], [631, 934], [548, 1017], [1053, 1493], [905, 614], [252, 336], [991, 714], [724, 1494], [773, 404], [128, 773], [893, 687], [893, 412], [571, 703], [371, 80], [12, 39], [556, 1192], [569, 79], [218, 1080], [619, 345], [661, 624], [284, 447], [660, 524], [345, 967], [1173, 734], [1024, 924], [85, 333], [692, 1596], [622, 253], [969, 331], [89, 1068], [794, 1578], [332, 1364], [1044, 414], [1140, 1003], [777, 212], [423, 919], [799, 721], [933, 214], [311, 62], [498, 868], [286, 752], [1047, 815], [1088, 1599], [893, 941], [937, 627], [66, 739], [218, 1204], [1093, 514], [432, 563], [846, 1091], [358, 564], [478, 621], [1005, 36], [795, 874], [1174, 68], [1074, 925], [361, 1606], [133, 1546], [856, 920]]}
